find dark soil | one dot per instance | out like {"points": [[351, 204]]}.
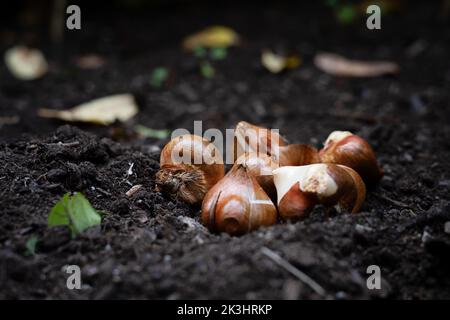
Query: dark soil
{"points": [[150, 246]]}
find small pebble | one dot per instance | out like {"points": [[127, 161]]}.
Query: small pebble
{"points": [[191, 224], [341, 295], [291, 289], [418, 104], [359, 228], [426, 236], [394, 211], [198, 239], [408, 158], [447, 227], [444, 183]]}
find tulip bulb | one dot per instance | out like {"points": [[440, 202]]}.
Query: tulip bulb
{"points": [[295, 155], [237, 204], [300, 188], [189, 166], [250, 138], [343, 147], [260, 166]]}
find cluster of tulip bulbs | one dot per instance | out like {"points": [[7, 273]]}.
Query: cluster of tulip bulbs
{"points": [[270, 179]]}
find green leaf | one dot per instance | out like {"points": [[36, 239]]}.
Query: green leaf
{"points": [[331, 3], [31, 245], [218, 53], [159, 76], [151, 133], [346, 14], [199, 52], [207, 70], [75, 212]]}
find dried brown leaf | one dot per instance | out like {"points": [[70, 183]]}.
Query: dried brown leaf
{"points": [[104, 110], [212, 37], [340, 66], [25, 63]]}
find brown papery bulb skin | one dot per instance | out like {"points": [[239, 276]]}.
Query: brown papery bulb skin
{"points": [[260, 166], [189, 166], [352, 200], [251, 138], [296, 155], [296, 204], [343, 147], [237, 204], [300, 188]]}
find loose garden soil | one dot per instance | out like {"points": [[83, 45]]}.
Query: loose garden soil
{"points": [[152, 246]]}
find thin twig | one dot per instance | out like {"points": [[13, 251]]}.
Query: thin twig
{"points": [[128, 174], [294, 271], [67, 144], [395, 202], [130, 169], [133, 190], [104, 192]]}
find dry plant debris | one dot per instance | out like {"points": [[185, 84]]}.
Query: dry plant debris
{"points": [[103, 111]]}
